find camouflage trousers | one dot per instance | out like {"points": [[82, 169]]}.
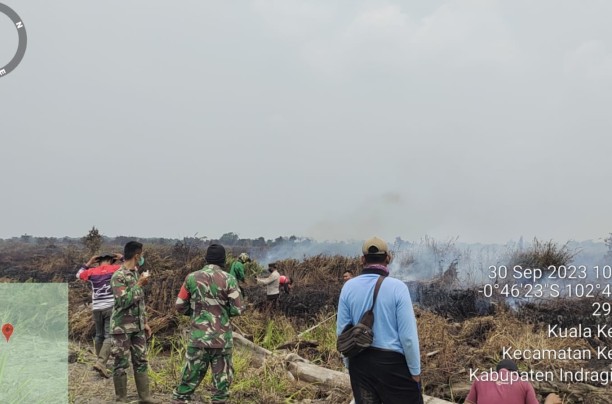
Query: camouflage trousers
{"points": [[134, 343], [197, 361]]}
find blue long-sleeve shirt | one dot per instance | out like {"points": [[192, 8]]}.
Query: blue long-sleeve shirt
{"points": [[394, 326]]}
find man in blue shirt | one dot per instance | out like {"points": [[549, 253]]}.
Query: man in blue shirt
{"points": [[389, 371]]}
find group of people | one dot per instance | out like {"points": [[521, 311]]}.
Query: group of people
{"points": [[210, 296], [388, 371], [120, 317]]}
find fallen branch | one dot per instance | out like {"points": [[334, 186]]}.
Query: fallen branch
{"points": [[316, 325], [303, 370], [238, 329], [298, 345], [259, 354]]}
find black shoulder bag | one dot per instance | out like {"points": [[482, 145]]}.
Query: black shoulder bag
{"points": [[355, 339]]}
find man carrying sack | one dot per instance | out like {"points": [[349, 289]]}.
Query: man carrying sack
{"points": [[388, 369]]}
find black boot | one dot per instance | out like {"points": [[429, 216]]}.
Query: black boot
{"points": [[97, 347]]}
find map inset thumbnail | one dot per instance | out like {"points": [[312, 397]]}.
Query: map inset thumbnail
{"points": [[34, 362]]}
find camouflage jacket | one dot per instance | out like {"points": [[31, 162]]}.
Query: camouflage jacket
{"points": [[129, 308], [210, 296]]}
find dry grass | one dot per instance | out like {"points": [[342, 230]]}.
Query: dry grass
{"points": [[318, 270], [542, 255]]}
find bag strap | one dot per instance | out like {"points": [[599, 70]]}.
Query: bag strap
{"points": [[376, 288], [367, 318]]}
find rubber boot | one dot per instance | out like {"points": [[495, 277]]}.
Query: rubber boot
{"points": [[120, 388], [142, 385], [105, 352], [97, 347]]}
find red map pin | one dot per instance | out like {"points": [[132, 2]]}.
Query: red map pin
{"points": [[7, 330]]}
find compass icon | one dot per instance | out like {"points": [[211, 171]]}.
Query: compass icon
{"points": [[23, 40]]}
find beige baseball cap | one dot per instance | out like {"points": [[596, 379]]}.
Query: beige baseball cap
{"points": [[375, 246]]}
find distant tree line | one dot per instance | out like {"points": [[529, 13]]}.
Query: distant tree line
{"points": [[94, 240]]}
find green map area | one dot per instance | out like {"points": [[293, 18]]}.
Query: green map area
{"points": [[34, 362]]}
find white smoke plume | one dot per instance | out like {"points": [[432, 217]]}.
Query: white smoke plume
{"points": [[428, 258]]}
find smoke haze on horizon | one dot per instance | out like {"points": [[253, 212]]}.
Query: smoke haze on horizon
{"points": [[486, 121]]}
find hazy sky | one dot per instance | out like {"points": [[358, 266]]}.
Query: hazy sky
{"points": [[486, 120]]}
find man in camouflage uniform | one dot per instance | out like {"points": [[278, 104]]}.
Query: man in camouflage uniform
{"points": [[129, 328], [210, 296]]}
